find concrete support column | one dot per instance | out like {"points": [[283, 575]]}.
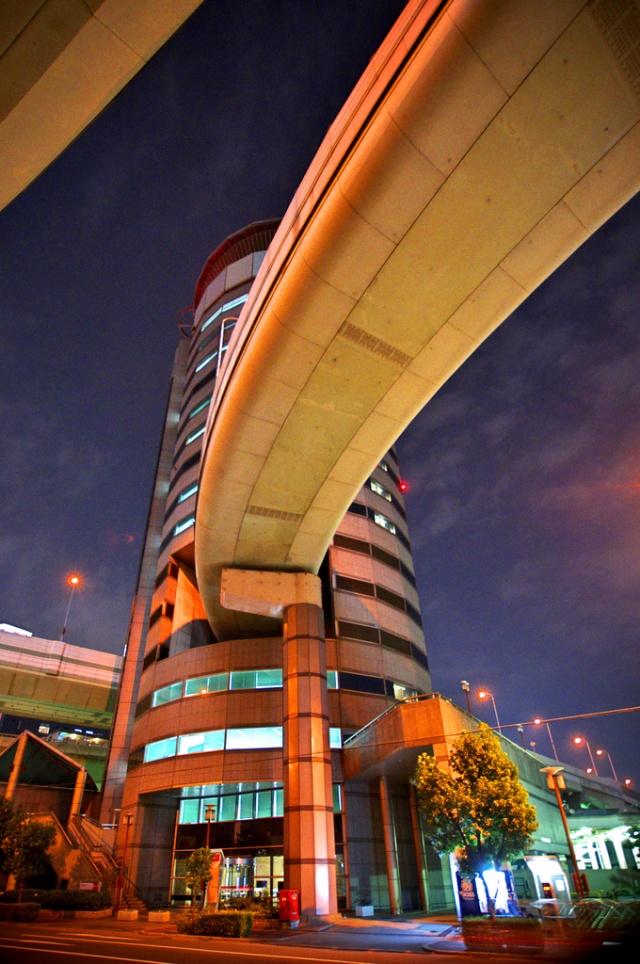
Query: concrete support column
{"points": [[418, 847], [14, 776], [390, 849], [78, 791], [309, 843]]}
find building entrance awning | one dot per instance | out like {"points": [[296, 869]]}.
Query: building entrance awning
{"points": [[42, 765]]}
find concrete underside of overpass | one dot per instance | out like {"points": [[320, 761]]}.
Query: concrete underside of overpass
{"points": [[486, 141], [61, 64]]}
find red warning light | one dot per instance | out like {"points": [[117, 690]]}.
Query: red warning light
{"points": [[403, 486]]}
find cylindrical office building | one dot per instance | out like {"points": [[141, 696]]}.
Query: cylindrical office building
{"points": [[197, 746]]}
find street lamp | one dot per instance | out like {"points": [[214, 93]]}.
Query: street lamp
{"points": [[465, 689], [521, 732], [555, 782], [73, 581], [483, 695], [579, 740], [538, 722], [608, 755], [209, 815], [121, 879]]}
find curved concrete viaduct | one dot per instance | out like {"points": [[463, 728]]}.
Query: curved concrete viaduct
{"points": [[485, 142], [61, 63]]}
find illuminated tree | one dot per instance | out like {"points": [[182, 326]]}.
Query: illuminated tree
{"points": [[24, 844], [479, 810], [198, 871]]}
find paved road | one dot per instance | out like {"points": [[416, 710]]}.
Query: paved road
{"points": [[348, 942]]}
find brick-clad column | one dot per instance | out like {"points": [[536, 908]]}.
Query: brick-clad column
{"points": [[309, 843], [390, 847]]}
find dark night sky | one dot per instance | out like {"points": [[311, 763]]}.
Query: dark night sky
{"points": [[524, 470]]}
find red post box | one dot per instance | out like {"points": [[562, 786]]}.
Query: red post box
{"points": [[289, 906]]}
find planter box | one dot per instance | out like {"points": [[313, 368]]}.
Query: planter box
{"points": [[159, 917], [127, 915], [364, 910]]}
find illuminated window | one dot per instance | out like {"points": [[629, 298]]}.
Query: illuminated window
{"points": [[201, 742], [254, 738], [160, 749], [337, 798], [401, 692], [205, 361], [182, 526], [381, 520], [383, 465], [227, 307], [167, 694], [335, 737], [379, 489], [255, 679], [229, 806], [199, 408], [206, 684], [187, 493], [332, 679], [189, 811], [264, 803], [195, 434]]}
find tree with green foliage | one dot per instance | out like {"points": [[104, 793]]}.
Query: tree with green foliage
{"points": [[198, 871], [479, 810], [23, 844]]}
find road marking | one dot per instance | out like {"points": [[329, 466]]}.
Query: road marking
{"points": [[246, 952], [33, 940]]}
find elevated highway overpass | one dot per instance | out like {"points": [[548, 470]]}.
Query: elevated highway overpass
{"points": [[485, 142], [61, 63]]}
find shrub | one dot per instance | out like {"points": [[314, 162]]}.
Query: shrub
{"points": [[223, 923], [22, 912], [258, 907], [63, 899]]}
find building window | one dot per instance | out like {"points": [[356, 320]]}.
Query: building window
{"points": [[332, 679], [383, 465], [201, 685], [160, 749], [167, 694], [254, 738], [205, 361], [184, 525], [195, 434], [187, 493], [335, 738], [227, 307], [401, 692], [255, 679], [200, 408], [201, 742], [381, 520], [379, 489]]}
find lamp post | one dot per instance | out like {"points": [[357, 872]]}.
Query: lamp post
{"points": [[73, 582], [483, 694], [209, 815], [608, 755], [555, 782], [128, 820], [521, 732], [579, 740], [465, 689], [538, 722]]}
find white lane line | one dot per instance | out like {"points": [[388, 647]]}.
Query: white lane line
{"points": [[33, 940], [246, 952]]}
